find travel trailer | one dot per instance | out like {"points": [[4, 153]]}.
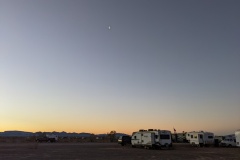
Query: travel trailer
{"points": [[237, 135], [188, 136], [152, 138], [143, 139], [201, 138], [228, 141]]}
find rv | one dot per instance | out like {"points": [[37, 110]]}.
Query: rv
{"points": [[143, 139], [228, 141], [201, 138], [152, 138], [162, 137], [188, 136], [237, 135]]}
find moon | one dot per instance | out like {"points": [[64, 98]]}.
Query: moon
{"points": [[109, 27]]}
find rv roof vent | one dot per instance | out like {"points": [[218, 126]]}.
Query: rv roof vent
{"points": [[140, 130], [150, 129]]}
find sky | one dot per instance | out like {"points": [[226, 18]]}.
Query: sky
{"points": [[164, 64]]}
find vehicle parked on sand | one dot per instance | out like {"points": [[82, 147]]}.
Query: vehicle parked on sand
{"points": [[201, 138], [237, 135], [124, 140], [47, 138], [152, 138], [228, 141]]}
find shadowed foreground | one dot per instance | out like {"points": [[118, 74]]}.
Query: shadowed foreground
{"points": [[102, 151]]}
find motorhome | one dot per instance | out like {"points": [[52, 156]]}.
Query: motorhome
{"points": [[152, 138], [201, 138], [228, 141], [237, 135]]}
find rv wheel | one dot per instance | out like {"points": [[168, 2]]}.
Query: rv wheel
{"points": [[158, 146]]}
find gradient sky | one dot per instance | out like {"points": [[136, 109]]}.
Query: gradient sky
{"points": [[163, 64]]}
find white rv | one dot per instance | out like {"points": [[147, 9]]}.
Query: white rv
{"points": [[201, 138], [188, 136], [143, 139], [152, 138], [237, 135], [52, 137], [162, 137]]}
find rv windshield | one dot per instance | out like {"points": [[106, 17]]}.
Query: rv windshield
{"points": [[164, 136]]}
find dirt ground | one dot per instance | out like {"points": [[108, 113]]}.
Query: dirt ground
{"points": [[104, 151]]}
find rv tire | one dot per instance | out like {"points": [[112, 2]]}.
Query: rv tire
{"points": [[158, 146]]}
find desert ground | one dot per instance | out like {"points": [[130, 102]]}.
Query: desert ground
{"points": [[103, 151]]}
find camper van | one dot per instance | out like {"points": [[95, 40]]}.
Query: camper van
{"points": [[201, 138], [152, 138], [237, 135]]}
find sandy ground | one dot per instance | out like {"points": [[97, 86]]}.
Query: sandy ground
{"points": [[104, 151]]}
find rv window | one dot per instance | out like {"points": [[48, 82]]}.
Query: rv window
{"points": [[156, 136], [235, 140], [188, 134], [135, 137], [201, 136], [210, 137], [164, 136], [195, 137], [191, 136], [142, 134]]}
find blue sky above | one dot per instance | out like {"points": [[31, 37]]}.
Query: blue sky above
{"points": [[169, 61]]}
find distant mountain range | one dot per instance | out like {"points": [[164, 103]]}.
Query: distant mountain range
{"points": [[59, 134]]}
